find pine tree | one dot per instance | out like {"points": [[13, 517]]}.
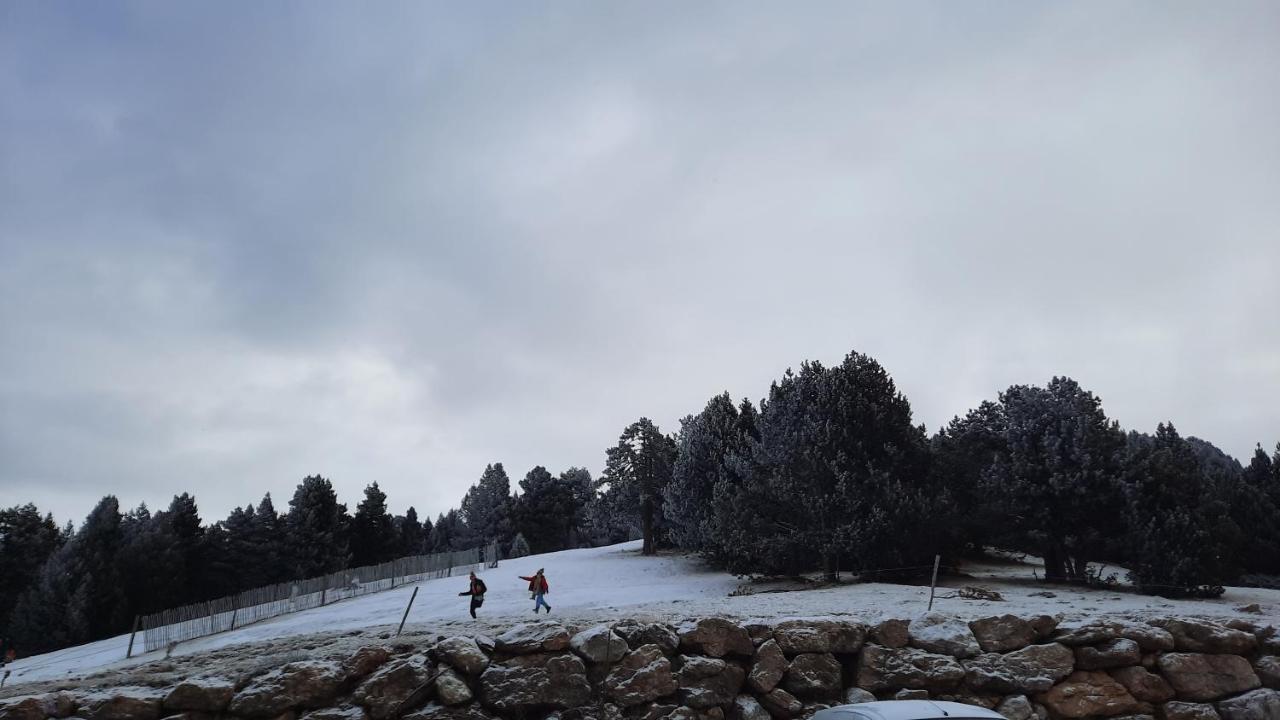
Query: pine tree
{"points": [[519, 547], [637, 471], [1254, 509], [547, 511], [1174, 549], [26, 541], [410, 538], [271, 543], [373, 539], [486, 508], [317, 529], [183, 521], [450, 533], [149, 562]]}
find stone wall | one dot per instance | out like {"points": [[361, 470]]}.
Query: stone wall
{"points": [[716, 669]]}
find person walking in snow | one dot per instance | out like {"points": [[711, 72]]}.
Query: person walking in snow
{"points": [[476, 591], [537, 588]]}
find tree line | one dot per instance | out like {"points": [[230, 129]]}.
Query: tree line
{"points": [[829, 473]]}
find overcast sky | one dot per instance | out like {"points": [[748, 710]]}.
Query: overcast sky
{"points": [[241, 243]]}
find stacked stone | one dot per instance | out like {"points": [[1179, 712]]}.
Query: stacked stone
{"points": [[713, 669]]}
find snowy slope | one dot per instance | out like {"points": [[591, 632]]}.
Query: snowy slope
{"points": [[595, 584]]}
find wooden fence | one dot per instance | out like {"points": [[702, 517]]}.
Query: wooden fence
{"points": [[175, 625]]}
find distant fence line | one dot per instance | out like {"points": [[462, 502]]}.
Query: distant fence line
{"points": [[188, 622]]}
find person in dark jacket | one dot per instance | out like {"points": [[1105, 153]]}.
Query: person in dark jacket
{"points": [[537, 588], [476, 591]]}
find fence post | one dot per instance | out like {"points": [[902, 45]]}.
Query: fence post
{"points": [[136, 620], [235, 610], [412, 597], [934, 582]]}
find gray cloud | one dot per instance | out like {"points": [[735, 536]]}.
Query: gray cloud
{"points": [[238, 246]]}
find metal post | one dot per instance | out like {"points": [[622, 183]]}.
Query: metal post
{"points": [[136, 620], [934, 582], [323, 591], [412, 597]]}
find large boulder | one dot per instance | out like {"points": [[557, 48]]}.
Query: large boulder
{"points": [[705, 683], [1255, 705], [819, 636], [1004, 633], [1016, 707], [715, 637], [125, 703], [556, 680], [1268, 669], [1089, 694], [1033, 669], [599, 644], [781, 704], [813, 676], [1143, 684], [1202, 636], [205, 694], [643, 675], [768, 667], [1200, 677], [26, 707], [308, 684], [1118, 652], [1176, 710], [1148, 637], [880, 669], [364, 661], [462, 653], [938, 633], [451, 688], [746, 707], [533, 637], [399, 682], [638, 634], [892, 633]]}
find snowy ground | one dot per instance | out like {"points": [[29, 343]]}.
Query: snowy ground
{"points": [[589, 586]]}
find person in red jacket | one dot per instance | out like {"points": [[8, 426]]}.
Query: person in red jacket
{"points": [[476, 591], [538, 587]]}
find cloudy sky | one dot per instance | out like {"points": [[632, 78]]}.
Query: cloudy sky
{"points": [[245, 242]]}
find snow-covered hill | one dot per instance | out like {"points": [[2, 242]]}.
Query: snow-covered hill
{"points": [[608, 583]]}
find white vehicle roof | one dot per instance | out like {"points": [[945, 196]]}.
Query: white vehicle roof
{"points": [[908, 710]]}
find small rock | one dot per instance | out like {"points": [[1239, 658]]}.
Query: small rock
{"points": [[855, 695], [715, 637], [534, 637], [891, 633], [451, 689], [746, 707], [1003, 633], [125, 703], [768, 667], [211, 695], [1254, 608], [813, 676], [1016, 707], [1120, 652], [639, 634], [1033, 669], [399, 682], [1144, 685], [781, 704], [1256, 705], [939, 633], [345, 712], [1189, 711], [463, 653], [909, 694], [879, 669], [1200, 677], [599, 644], [641, 676], [364, 661], [1202, 636], [1268, 669], [1086, 694]]}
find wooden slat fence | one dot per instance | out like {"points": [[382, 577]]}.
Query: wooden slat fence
{"points": [[175, 625]]}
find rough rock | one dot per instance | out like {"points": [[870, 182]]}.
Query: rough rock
{"points": [[1148, 637], [881, 669], [705, 683], [1202, 636], [603, 711], [1016, 707], [125, 703], [891, 633], [198, 715], [296, 685], [1043, 625], [211, 695], [1119, 652], [1189, 711], [1143, 684], [746, 707], [819, 636], [1200, 677], [758, 631], [715, 637], [29, 707], [938, 633], [394, 684], [1257, 705], [435, 711], [909, 694], [781, 704], [638, 634], [1033, 669], [813, 676], [462, 653], [533, 637], [1268, 669], [1004, 633], [651, 711], [642, 675], [451, 689], [599, 644], [968, 698], [344, 712], [556, 680], [855, 695], [768, 668], [1087, 694], [364, 661]]}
